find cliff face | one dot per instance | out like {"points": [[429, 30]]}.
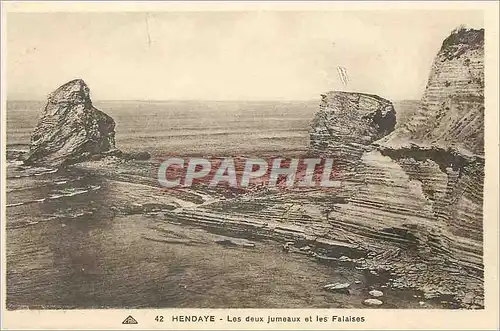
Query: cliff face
{"points": [[418, 199], [70, 129], [452, 111], [449, 131]]}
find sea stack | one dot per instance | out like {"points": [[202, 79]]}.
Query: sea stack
{"points": [[347, 123], [71, 129]]}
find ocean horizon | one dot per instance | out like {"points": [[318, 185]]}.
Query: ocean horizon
{"points": [[196, 126]]}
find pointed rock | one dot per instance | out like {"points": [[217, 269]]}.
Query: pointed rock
{"points": [[70, 129]]}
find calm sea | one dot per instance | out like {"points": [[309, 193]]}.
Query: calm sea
{"points": [[186, 127], [214, 127]]}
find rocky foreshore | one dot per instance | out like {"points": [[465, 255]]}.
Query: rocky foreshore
{"points": [[396, 254]]}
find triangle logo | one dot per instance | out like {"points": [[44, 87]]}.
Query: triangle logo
{"points": [[130, 320]]}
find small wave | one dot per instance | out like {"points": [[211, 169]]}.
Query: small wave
{"points": [[63, 180], [24, 224], [14, 163], [50, 217], [58, 195], [178, 242], [72, 194], [25, 202], [44, 171], [70, 214], [15, 204], [67, 194]]}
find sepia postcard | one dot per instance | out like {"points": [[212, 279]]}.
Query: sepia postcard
{"points": [[250, 165]]}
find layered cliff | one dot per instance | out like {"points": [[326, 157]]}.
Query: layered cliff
{"points": [[70, 129], [448, 130], [418, 202], [452, 110]]}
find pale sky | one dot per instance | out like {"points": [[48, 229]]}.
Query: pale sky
{"points": [[253, 55]]}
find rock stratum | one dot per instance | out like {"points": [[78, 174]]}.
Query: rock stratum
{"points": [[70, 129]]}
